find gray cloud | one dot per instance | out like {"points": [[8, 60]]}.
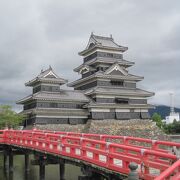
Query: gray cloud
{"points": [[35, 34]]}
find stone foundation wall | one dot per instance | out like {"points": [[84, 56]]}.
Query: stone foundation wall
{"points": [[103, 115], [135, 127], [62, 127]]}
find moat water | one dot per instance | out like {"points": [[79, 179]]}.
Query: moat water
{"points": [[52, 171]]}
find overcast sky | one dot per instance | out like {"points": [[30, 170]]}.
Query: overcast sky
{"points": [[37, 33]]}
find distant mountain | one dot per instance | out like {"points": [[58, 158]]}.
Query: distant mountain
{"points": [[162, 110]]}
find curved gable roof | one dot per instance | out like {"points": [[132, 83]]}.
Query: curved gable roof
{"points": [[47, 76]]}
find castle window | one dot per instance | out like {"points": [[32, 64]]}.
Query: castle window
{"points": [[90, 57], [53, 105], [109, 55], [121, 100], [117, 83], [100, 68]]}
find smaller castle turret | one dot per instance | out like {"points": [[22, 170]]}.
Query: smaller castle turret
{"points": [[49, 104], [47, 81]]}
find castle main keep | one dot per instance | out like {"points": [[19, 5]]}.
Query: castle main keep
{"points": [[106, 90]]}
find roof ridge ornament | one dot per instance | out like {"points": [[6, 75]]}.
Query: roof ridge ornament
{"points": [[102, 42], [50, 68]]}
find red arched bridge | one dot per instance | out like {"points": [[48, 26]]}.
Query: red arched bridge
{"points": [[155, 159]]}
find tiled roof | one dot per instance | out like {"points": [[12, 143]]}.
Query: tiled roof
{"points": [[47, 76], [103, 43], [27, 98], [63, 95], [56, 111], [101, 75], [113, 105], [119, 91], [128, 77], [108, 60], [84, 66]]}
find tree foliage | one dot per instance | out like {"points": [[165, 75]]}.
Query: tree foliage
{"points": [[158, 119], [172, 128], [8, 117]]}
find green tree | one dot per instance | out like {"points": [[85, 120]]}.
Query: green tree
{"points": [[9, 118], [172, 128], [158, 119]]}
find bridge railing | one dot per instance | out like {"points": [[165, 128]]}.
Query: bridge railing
{"points": [[173, 172], [109, 155], [151, 163], [1, 136], [162, 146]]}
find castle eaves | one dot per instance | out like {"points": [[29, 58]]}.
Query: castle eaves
{"points": [[47, 76], [107, 61], [105, 41], [102, 42], [63, 95], [101, 75], [119, 91], [113, 105], [46, 80]]}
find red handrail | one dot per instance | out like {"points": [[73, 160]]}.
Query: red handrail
{"points": [[93, 148], [173, 172], [162, 146]]}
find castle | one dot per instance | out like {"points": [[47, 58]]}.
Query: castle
{"points": [[106, 90]]}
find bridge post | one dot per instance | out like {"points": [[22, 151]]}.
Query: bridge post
{"points": [[42, 168], [62, 169], [11, 160], [133, 174], [5, 160], [26, 158]]}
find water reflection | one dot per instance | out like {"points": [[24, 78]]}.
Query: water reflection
{"points": [[52, 171]]}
